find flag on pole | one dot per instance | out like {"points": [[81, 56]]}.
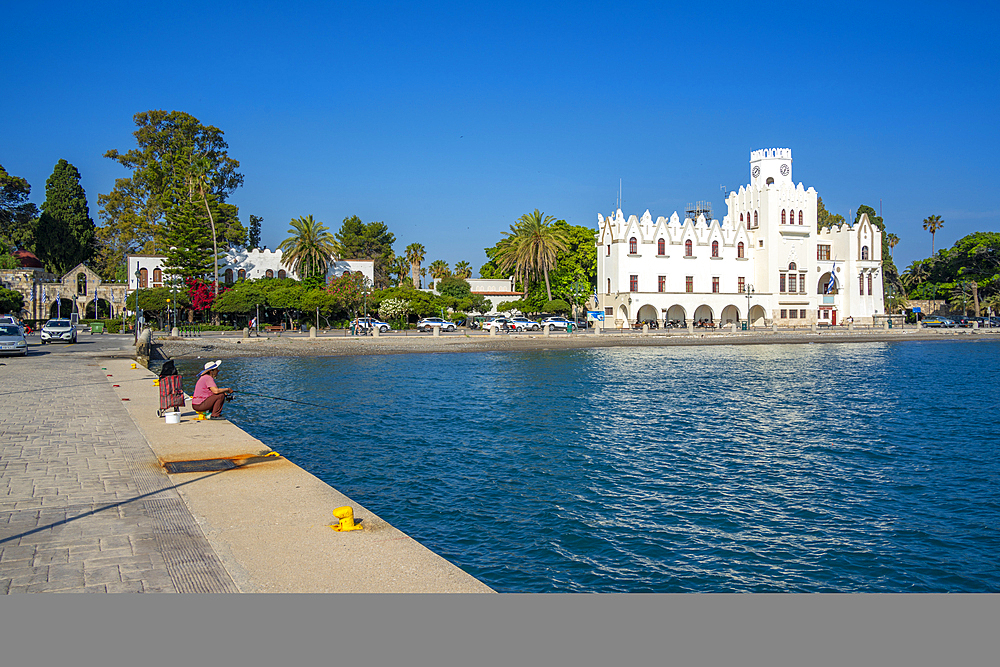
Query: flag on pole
{"points": [[833, 281]]}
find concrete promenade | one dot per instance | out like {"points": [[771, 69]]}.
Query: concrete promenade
{"points": [[87, 506]]}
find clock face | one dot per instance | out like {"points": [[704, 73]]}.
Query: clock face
{"points": [[755, 172], [784, 170]]}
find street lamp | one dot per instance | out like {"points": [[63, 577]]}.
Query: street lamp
{"points": [[749, 290], [136, 313]]}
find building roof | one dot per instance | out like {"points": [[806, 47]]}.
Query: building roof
{"points": [[28, 259]]}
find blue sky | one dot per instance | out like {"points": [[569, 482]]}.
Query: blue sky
{"points": [[447, 121]]}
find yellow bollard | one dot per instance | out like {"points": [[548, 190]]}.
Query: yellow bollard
{"points": [[133, 365], [156, 383], [346, 516]]}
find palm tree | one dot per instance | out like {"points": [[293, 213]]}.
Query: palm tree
{"points": [[892, 241], [439, 269], [415, 255], [933, 223], [463, 269], [535, 245], [309, 248], [423, 274]]}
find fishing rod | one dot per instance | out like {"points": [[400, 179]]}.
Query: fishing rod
{"points": [[288, 400]]}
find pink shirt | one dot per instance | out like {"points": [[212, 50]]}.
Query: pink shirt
{"points": [[202, 389]]}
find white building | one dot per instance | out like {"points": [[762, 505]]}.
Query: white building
{"points": [[765, 257], [146, 271], [497, 290]]}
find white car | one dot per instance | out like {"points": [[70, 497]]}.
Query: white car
{"points": [[428, 324], [12, 340], [54, 330], [521, 323], [554, 323]]}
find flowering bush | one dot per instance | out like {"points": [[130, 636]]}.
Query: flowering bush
{"points": [[202, 294]]}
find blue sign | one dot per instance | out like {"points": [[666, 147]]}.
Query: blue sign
{"points": [[596, 314], [916, 309]]}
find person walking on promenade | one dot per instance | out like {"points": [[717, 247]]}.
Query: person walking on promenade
{"points": [[207, 395]]}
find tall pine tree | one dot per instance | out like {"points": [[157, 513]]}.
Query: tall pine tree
{"points": [[253, 240], [65, 234]]}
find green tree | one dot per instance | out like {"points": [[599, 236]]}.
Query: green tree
{"points": [[932, 224], [394, 310], [18, 216], [463, 270], [134, 211], [11, 301], [309, 248], [439, 269], [66, 232], [253, 236], [415, 253], [824, 218], [535, 244], [454, 287], [357, 240], [892, 241]]}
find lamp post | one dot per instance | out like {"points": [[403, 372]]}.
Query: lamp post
{"points": [[749, 291], [136, 313]]}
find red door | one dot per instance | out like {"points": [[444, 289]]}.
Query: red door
{"points": [[833, 318]]}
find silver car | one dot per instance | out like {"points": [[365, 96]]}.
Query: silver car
{"points": [[54, 330], [12, 340]]}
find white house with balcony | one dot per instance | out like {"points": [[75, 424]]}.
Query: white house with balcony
{"points": [[764, 262]]}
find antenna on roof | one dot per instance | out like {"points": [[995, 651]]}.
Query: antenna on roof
{"points": [[725, 191]]}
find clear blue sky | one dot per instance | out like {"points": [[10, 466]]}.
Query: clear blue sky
{"points": [[448, 121]]}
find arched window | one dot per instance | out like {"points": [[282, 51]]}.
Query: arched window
{"points": [[633, 246], [864, 252], [755, 218], [281, 273], [688, 248], [229, 276], [157, 277], [739, 249], [81, 283], [241, 274], [609, 286], [782, 216], [715, 248], [143, 278], [269, 273], [661, 247], [792, 266], [346, 273], [861, 284], [800, 217], [869, 284], [741, 217], [609, 250]]}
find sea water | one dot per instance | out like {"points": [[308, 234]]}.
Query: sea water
{"points": [[766, 468]]}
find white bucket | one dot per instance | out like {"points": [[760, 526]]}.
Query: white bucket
{"points": [[173, 418]]}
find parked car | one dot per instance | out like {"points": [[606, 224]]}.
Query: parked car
{"points": [[521, 323], [12, 340], [964, 322], [500, 323], [428, 324], [556, 323], [54, 330], [938, 322], [369, 323]]}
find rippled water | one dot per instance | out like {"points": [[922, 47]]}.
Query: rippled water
{"points": [[822, 468]]}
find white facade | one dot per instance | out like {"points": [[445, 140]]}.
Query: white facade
{"points": [[766, 247], [497, 290]]}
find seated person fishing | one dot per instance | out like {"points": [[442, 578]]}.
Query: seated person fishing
{"points": [[207, 395]]}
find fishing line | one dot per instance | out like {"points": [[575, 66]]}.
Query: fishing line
{"points": [[288, 400]]}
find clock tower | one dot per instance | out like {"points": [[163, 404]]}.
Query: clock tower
{"points": [[770, 166]]}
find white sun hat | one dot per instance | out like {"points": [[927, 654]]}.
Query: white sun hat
{"points": [[211, 366]]}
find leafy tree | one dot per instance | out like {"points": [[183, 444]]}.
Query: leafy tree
{"points": [[11, 301], [415, 253], [135, 210], [357, 240], [892, 241], [309, 248], [463, 270], [557, 306], [824, 218], [66, 232], [253, 236], [18, 216], [932, 224], [454, 287], [349, 291]]}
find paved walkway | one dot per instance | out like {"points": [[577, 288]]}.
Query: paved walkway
{"points": [[84, 504]]}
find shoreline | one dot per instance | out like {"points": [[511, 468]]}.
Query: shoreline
{"points": [[298, 345]]}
